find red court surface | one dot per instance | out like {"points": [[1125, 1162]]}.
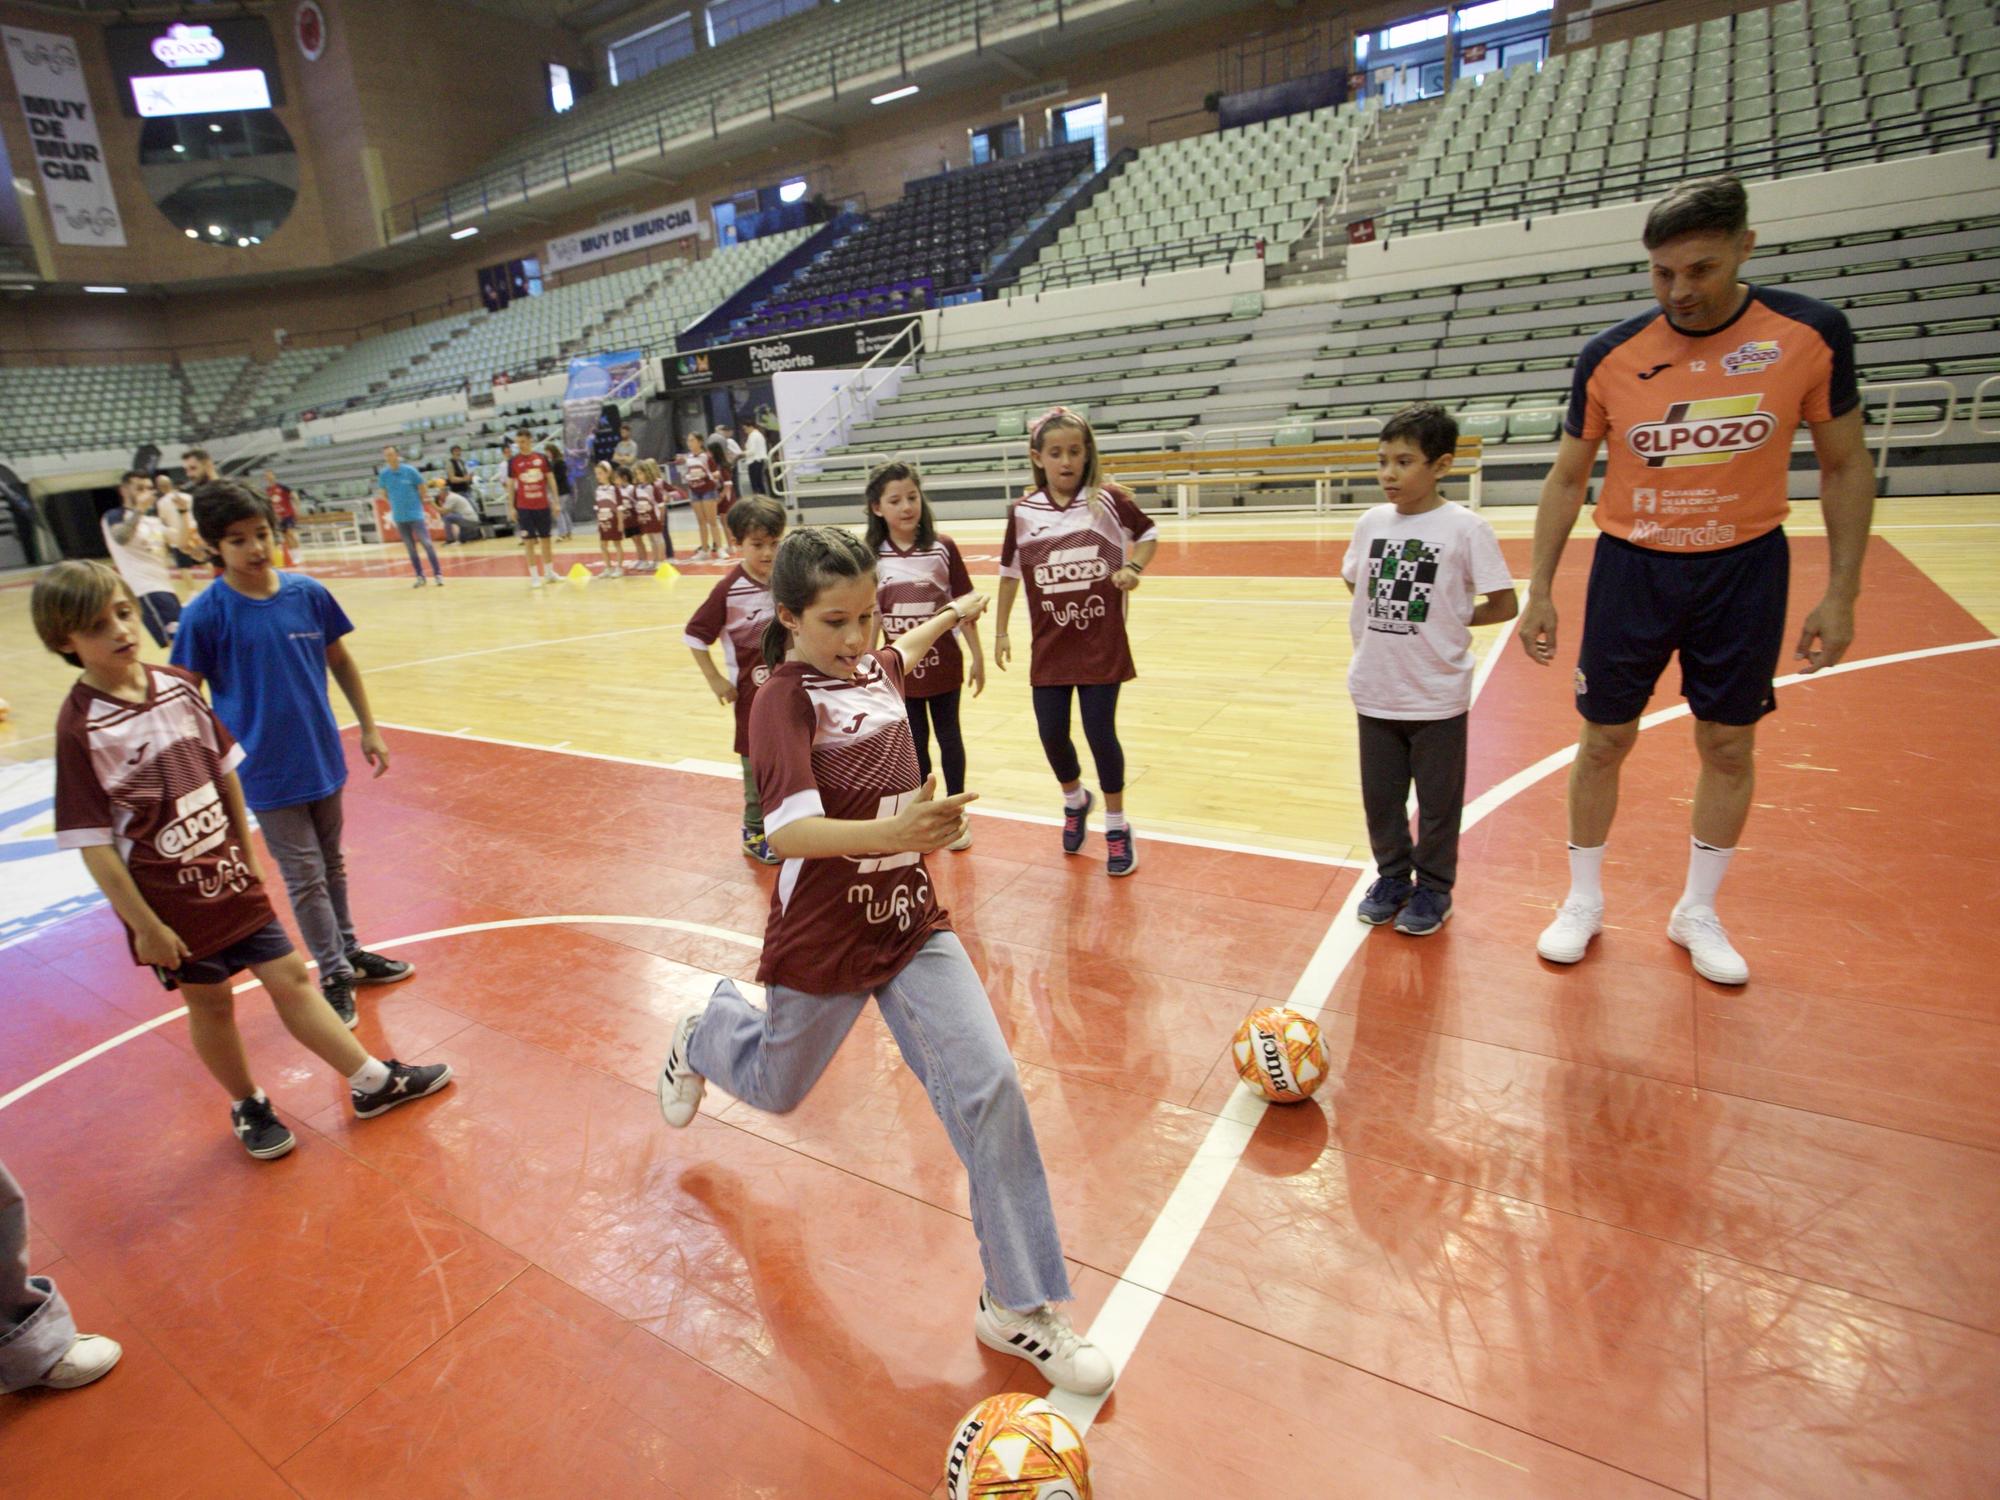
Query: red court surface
{"points": [[1604, 1232]]}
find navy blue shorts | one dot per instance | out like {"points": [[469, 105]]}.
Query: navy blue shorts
{"points": [[161, 613], [535, 524], [1724, 612], [266, 943]]}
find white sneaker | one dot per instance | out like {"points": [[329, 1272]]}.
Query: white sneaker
{"points": [[534, 580], [680, 1086], [1045, 1340], [89, 1358], [964, 840], [1564, 940], [1699, 930]]}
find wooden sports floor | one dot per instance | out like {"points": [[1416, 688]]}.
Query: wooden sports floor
{"points": [[1604, 1232]]}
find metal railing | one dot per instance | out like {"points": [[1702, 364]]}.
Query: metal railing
{"points": [[1010, 468], [1982, 424], [836, 413], [1140, 261]]}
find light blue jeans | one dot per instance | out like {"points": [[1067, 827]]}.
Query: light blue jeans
{"points": [[939, 1014], [36, 1329]]}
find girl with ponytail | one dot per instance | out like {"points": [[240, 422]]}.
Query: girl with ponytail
{"points": [[854, 915], [1078, 546]]}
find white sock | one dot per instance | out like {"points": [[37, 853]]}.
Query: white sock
{"points": [[1076, 799], [256, 1097], [1706, 867], [369, 1077], [1586, 875], [1114, 822]]}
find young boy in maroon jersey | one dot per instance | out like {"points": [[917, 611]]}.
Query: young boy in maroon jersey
{"points": [[146, 788], [735, 612], [531, 487]]}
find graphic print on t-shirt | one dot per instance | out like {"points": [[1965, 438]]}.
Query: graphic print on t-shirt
{"points": [[1401, 575]]}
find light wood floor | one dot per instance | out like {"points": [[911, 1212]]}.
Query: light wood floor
{"points": [[1239, 728]]}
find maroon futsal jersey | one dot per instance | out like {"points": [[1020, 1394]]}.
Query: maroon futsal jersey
{"points": [[735, 612], [910, 588], [1064, 556], [530, 473], [825, 747], [146, 778]]}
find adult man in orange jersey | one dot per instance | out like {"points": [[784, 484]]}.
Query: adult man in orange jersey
{"points": [[1698, 401]]}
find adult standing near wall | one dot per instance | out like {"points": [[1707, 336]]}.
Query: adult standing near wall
{"points": [[1699, 401], [458, 473], [756, 457], [627, 451], [402, 485], [559, 471]]}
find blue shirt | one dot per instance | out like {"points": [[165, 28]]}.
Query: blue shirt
{"points": [[404, 485], [265, 662]]}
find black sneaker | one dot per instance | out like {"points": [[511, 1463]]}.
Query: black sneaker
{"points": [[1074, 820], [405, 1083], [339, 992], [258, 1127], [373, 968]]}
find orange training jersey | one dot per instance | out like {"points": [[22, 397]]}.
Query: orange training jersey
{"points": [[1700, 426]]}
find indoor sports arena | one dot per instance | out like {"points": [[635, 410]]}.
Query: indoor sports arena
{"points": [[1429, 486]]}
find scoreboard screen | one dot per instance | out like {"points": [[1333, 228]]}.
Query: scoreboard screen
{"points": [[195, 68]]}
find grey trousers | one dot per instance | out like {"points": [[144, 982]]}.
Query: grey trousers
{"points": [[305, 841], [36, 1329], [1430, 752]]}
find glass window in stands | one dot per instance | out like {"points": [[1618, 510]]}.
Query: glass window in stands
{"points": [[659, 44], [734, 18]]}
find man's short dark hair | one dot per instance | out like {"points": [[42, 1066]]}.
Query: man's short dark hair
{"points": [[1426, 424], [1708, 205], [200, 453], [131, 474], [523, 432], [755, 513], [220, 503]]}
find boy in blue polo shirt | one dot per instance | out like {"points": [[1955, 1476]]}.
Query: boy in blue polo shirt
{"points": [[403, 487], [264, 641]]}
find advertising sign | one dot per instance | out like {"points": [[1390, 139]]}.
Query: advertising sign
{"points": [[843, 348], [657, 226], [69, 158]]}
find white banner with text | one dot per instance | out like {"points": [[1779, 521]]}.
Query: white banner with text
{"points": [[69, 158], [658, 226]]}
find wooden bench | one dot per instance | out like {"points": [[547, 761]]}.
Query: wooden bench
{"points": [[344, 525], [1325, 466]]}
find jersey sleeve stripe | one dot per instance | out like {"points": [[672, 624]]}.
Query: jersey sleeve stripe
{"points": [[806, 804]]}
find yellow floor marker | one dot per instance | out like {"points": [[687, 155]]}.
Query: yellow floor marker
{"points": [[578, 573]]}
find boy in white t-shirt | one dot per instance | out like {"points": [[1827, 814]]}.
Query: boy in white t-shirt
{"points": [[1414, 567]]}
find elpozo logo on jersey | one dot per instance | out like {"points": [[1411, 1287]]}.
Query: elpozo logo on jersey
{"points": [[1703, 432], [1752, 358]]}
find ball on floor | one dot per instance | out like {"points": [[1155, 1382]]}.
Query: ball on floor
{"points": [[1016, 1447], [1280, 1053]]}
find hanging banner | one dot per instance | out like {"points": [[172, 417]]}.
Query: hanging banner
{"points": [[842, 347], [658, 226], [596, 381], [69, 159]]}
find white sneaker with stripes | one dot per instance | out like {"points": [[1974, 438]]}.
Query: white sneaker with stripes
{"points": [[1045, 1340]]}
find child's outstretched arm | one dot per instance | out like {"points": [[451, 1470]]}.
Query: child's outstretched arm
{"points": [[926, 824], [154, 941], [914, 645], [347, 672]]}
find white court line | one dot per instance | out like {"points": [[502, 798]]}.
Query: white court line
{"points": [[1144, 1284], [699, 929], [725, 771], [561, 640]]}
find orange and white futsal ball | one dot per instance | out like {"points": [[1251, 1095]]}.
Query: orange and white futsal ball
{"points": [[1280, 1054], [1016, 1447]]}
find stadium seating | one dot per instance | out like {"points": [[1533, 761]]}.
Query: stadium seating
{"points": [[656, 320], [208, 381], [1777, 92], [67, 408], [1191, 201], [829, 47], [938, 237]]}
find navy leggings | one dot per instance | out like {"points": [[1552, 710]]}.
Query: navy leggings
{"points": [[940, 713], [1099, 702]]}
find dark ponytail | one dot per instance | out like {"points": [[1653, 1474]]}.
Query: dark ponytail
{"points": [[808, 559]]}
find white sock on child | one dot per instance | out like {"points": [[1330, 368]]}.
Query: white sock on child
{"points": [[1076, 799], [369, 1077], [1586, 875], [1114, 822], [1706, 867]]}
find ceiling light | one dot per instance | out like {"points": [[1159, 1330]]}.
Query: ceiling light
{"points": [[791, 192], [118, 289], [193, 234], [213, 128], [466, 233], [216, 230], [179, 147], [894, 94], [243, 241]]}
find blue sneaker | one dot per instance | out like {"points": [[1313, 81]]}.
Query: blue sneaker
{"points": [[1123, 854], [1073, 821], [758, 847], [1426, 913], [1385, 898]]}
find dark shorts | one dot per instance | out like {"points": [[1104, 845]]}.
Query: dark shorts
{"points": [[534, 523], [266, 943], [1724, 612], [161, 613], [181, 559]]}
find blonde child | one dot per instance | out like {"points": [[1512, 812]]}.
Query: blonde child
{"points": [[1079, 548], [658, 493], [735, 612], [633, 513], [146, 788], [920, 572], [703, 488], [856, 915], [610, 526]]}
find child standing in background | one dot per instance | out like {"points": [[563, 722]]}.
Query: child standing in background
{"points": [[610, 525], [1414, 568], [634, 514], [702, 487], [735, 612], [1079, 549], [918, 573], [658, 493]]}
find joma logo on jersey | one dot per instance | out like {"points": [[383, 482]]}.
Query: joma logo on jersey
{"points": [[1703, 432], [1068, 569]]}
